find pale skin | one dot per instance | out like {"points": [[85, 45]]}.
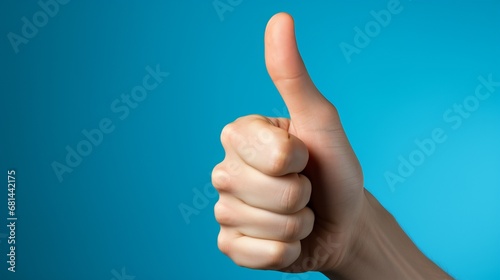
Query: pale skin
{"points": [[292, 194]]}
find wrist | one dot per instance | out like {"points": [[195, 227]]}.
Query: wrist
{"points": [[381, 250]]}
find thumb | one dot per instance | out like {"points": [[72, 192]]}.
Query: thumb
{"points": [[333, 167], [288, 72]]}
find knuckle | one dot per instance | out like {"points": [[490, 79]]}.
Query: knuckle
{"points": [[276, 255], [292, 229], [291, 197], [231, 131], [223, 214], [280, 157], [221, 179], [228, 132], [223, 243]]}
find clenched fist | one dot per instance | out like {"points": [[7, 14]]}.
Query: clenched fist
{"points": [[291, 190]]}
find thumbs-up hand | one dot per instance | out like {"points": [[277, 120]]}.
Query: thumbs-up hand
{"points": [[297, 181], [291, 190]]}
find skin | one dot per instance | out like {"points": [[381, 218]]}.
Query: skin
{"points": [[292, 195]]}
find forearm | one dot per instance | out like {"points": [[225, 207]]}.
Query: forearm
{"points": [[382, 250]]}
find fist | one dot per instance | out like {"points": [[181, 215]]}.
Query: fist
{"points": [[262, 207]]}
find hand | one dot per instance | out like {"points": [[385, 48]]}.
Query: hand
{"points": [[291, 190], [307, 160]]}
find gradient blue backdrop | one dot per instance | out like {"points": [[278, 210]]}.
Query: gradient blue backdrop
{"points": [[119, 208]]}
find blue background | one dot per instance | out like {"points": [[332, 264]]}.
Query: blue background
{"points": [[119, 208]]}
